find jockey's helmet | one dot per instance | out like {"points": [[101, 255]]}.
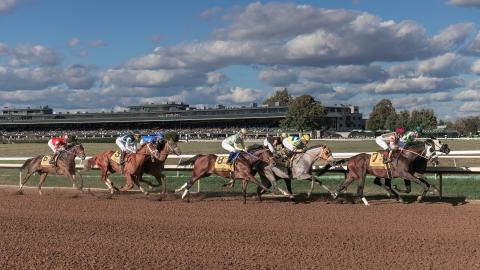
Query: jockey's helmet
{"points": [[243, 131], [400, 131], [419, 129], [284, 135], [306, 137]]}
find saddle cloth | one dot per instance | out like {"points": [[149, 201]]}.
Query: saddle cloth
{"points": [[46, 161], [115, 157], [376, 161], [221, 165]]}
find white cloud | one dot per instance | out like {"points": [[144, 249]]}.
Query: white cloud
{"points": [[7, 5], [73, 42], [345, 74], [476, 67], [4, 50], [446, 65], [278, 77], [472, 106], [79, 77], [465, 3], [97, 43], [413, 85], [24, 55], [240, 95], [453, 36]]}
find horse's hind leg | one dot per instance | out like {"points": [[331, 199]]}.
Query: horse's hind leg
{"points": [[343, 186], [388, 186], [244, 190], [360, 187], [25, 179], [43, 176]]}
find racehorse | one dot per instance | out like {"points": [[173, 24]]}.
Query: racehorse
{"points": [[155, 167], [419, 167], [65, 165], [132, 164], [204, 165], [358, 167], [301, 169]]}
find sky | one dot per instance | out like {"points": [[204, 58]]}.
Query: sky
{"points": [[107, 55]]}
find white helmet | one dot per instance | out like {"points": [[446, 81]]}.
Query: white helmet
{"points": [[243, 131]]}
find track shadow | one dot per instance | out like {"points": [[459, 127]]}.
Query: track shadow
{"points": [[408, 199]]}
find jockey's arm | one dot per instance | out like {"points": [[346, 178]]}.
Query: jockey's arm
{"points": [[288, 145]]}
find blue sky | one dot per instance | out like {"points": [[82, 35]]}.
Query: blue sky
{"points": [[104, 55]]}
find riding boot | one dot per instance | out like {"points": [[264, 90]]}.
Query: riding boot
{"points": [[386, 156], [53, 161], [230, 157], [122, 161]]}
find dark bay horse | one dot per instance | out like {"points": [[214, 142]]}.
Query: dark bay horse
{"points": [[419, 167], [204, 165], [132, 164], [65, 166], [155, 167], [359, 167]]}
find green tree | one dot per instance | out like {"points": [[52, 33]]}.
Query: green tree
{"points": [[425, 118], [379, 115], [403, 119], [304, 113], [281, 96]]}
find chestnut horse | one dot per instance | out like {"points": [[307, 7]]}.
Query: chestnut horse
{"points": [[65, 165], [132, 164], [155, 167], [204, 165], [358, 167]]}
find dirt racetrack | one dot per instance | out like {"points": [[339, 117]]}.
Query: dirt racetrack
{"points": [[93, 231]]}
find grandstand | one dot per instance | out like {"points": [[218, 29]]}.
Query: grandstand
{"points": [[170, 116]]}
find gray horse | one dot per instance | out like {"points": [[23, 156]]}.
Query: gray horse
{"points": [[300, 169]]}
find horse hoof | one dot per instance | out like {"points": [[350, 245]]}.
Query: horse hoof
{"points": [[419, 199], [334, 195]]}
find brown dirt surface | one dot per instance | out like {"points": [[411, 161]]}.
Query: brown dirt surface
{"points": [[61, 230]]}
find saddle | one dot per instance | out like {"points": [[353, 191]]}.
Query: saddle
{"points": [[46, 161], [116, 156], [376, 162], [222, 165]]}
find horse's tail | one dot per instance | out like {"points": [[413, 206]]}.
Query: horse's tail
{"points": [[91, 162], [27, 163], [189, 161]]}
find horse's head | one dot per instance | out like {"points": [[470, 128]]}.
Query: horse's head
{"points": [[149, 149], [266, 156], [77, 149], [171, 144], [326, 154]]}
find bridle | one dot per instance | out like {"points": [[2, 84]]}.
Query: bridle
{"points": [[423, 153]]}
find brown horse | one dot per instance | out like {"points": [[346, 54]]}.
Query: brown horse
{"points": [[65, 165], [204, 165], [132, 164], [358, 167], [155, 167]]}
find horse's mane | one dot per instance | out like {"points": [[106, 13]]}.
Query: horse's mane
{"points": [[315, 146], [254, 147]]}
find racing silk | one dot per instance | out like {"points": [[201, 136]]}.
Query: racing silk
{"points": [[387, 140], [409, 138], [271, 142], [236, 141], [127, 143], [152, 138], [293, 144], [57, 143]]}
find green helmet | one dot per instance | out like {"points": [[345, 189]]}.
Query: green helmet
{"points": [[419, 129]]}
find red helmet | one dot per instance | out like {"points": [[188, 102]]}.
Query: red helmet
{"points": [[400, 130]]}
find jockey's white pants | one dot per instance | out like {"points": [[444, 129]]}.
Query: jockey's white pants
{"points": [[124, 147], [288, 145], [266, 143], [50, 144], [228, 147], [379, 140]]}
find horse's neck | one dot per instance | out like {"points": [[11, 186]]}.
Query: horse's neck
{"points": [[164, 152], [310, 155], [413, 152], [139, 157], [68, 154]]}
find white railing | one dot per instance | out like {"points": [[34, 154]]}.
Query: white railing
{"points": [[438, 171]]}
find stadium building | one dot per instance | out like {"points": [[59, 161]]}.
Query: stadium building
{"points": [[171, 116]]}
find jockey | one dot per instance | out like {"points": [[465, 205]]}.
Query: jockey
{"points": [[57, 144], [272, 142], [389, 141], [128, 144], [296, 143], [410, 137], [156, 137], [235, 143]]}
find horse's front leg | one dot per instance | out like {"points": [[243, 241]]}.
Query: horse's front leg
{"points": [[423, 183], [128, 183], [43, 176]]}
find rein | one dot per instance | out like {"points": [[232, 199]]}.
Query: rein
{"points": [[420, 155]]}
